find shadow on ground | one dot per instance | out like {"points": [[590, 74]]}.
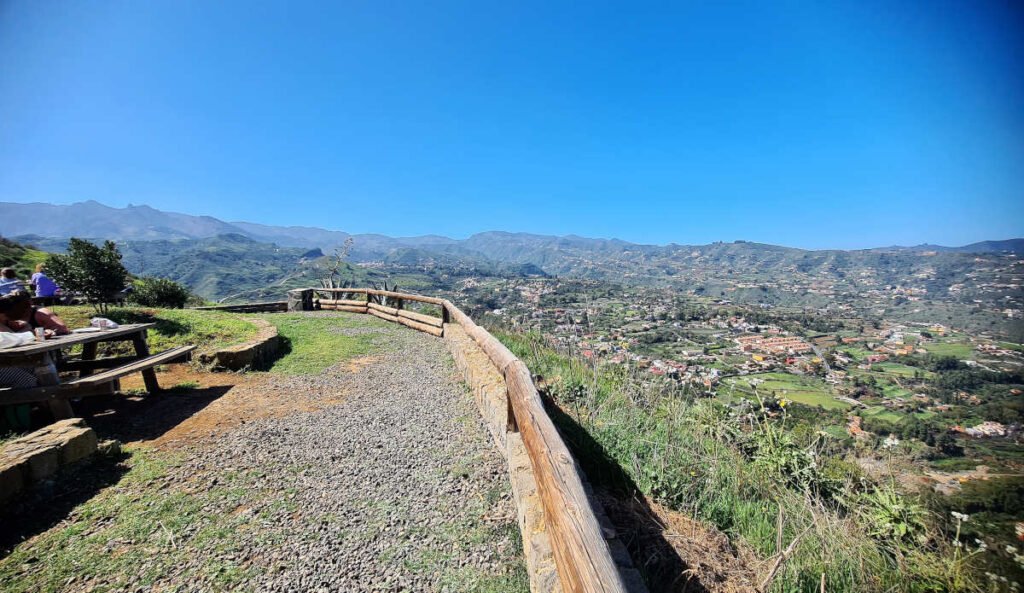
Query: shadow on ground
{"points": [[49, 503], [144, 418], [636, 524]]}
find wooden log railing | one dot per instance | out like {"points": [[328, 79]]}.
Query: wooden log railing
{"points": [[581, 552]]}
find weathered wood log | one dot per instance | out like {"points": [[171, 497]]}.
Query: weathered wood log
{"points": [[500, 355], [581, 553], [383, 316], [408, 297], [350, 309], [342, 290], [427, 319], [349, 302], [423, 327], [389, 310]]}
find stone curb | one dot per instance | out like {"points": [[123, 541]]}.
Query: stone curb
{"points": [[254, 354]]}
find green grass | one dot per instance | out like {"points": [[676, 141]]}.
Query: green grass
{"points": [[958, 349], [955, 464], [809, 391], [631, 430], [208, 330], [129, 530], [883, 413], [901, 370], [318, 342]]}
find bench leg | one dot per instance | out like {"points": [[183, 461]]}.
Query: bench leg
{"points": [[148, 375], [88, 353], [46, 374]]}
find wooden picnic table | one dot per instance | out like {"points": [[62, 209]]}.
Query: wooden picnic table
{"points": [[44, 357]]}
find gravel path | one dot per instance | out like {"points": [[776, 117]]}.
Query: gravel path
{"points": [[397, 488], [393, 484]]}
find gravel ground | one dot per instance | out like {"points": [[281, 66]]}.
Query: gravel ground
{"points": [[396, 488]]}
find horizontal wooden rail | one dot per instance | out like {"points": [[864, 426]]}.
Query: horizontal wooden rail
{"points": [[582, 555], [248, 307]]}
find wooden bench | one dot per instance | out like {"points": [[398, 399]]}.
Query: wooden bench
{"points": [[179, 354], [99, 383]]}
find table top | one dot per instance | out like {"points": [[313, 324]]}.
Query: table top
{"points": [[58, 342]]}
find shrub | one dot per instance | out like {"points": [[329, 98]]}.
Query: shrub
{"points": [[159, 292]]}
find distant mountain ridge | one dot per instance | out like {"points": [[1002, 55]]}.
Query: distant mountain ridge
{"points": [[93, 219]]}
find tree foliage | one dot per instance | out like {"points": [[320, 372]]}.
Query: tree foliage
{"points": [[159, 292], [90, 270]]}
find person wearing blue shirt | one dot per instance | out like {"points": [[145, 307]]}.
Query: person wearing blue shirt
{"points": [[9, 281], [42, 283]]}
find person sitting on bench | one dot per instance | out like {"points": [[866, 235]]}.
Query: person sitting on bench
{"points": [[42, 284], [18, 314], [9, 281]]}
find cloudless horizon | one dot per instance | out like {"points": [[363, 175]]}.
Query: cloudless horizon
{"points": [[815, 125]]}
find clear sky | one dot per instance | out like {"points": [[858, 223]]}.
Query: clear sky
{"points": [[810, 124]]}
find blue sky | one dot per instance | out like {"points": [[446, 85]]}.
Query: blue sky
{"points": [[811, 124]]}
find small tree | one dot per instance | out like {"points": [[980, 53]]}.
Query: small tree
{"points": [[333, 266], [94, 272]]}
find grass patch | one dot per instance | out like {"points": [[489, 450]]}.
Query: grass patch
{"points": [[809, 391], [958, 349], [317, 342], [134, 530], [208, 330], [632, 431], [883, 413]]}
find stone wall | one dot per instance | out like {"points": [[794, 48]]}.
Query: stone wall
{"points": [[37, 456], [488, 389]]}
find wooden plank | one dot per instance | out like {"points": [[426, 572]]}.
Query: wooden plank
{"points": [[348, 302], [125, 332], [342, 290], [351, 309], [388, 310], [423, 327], [582, 555], [85, 367], [49, 393], [427, 319], [248, 307], [141, 365], [500, 355], [382, 315], [408, 297]]}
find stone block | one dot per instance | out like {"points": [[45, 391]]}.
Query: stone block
{"points": [[13, 473], [37, 456]]}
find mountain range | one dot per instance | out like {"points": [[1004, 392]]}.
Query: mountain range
{"points": [[143, 223], [246, 261]]}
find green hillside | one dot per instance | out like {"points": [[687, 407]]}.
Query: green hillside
{"points": [[20, 257]]}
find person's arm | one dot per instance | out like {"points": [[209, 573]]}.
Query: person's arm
{"points": [[13, 325], [49, 320]]}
